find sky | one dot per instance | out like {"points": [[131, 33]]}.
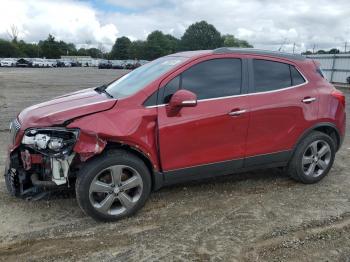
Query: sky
{"points": [[265, 24]]}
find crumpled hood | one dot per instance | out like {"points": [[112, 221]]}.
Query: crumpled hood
{"points": [[66, 107]]}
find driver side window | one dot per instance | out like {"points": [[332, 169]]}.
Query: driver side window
{"points": [[209, 79]]}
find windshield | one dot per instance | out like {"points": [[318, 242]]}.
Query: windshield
{"points": [[142, 76]]}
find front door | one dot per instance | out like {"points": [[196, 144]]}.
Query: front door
{"points": [[211, 136]]}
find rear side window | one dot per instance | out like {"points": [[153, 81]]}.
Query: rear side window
{"points": [[297, 78], [209, 79], [269, 75]]}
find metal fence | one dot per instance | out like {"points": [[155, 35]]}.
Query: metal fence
{"points": [[335, 66]]}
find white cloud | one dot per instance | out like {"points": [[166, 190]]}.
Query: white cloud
{"points": [[135, 4], [265, 24], [75, 22]]}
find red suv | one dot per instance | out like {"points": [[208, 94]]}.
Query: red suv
{"points": [[181, 117]]}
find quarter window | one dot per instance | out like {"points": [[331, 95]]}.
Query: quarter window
{"points": [[209, 79], [151, 100], [269, 75], [297, 78], [170, 89]]}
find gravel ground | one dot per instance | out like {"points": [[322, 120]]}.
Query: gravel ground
{"points": [[255, 216]]}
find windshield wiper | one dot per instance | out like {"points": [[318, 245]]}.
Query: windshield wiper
{"points": [[102, 89]]}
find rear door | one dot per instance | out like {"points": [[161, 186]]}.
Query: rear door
{"points": [[283, 105], [211, 136]]}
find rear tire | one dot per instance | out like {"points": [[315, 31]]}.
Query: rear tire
{"points": [[313, 158], [113, 185]]}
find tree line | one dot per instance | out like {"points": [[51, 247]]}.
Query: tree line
{"points": [[198, 36]]}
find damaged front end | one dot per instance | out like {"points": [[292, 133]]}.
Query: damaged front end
{"points": [[46, 159]]}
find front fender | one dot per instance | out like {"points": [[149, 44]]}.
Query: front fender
{"points": [[88, 145], [136, 128]]}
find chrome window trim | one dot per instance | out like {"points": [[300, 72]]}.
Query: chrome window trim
{"points": [[249, 94]]}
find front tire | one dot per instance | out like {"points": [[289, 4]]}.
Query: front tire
{"points": [[113, 185], [313, 158]]}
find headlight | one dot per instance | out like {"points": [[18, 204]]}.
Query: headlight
{"points": [[15, 126], [51, 141]]}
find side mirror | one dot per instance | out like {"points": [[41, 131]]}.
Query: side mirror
{"points": [[181, 98]]}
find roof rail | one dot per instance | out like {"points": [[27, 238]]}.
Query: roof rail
{"points": [[233, 50]]}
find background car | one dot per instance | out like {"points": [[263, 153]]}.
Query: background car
{"points": [[117, 64], [38, 62], [67, 63], [75, 64], [24, 62], [52, 62], [130, 64], [59, 63], [104, 64], [8, 62]]}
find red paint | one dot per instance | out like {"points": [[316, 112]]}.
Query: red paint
{"points": [[58, 110], [203, 134], [89, 145], [36, 158], [181, 99], [197, 135]]}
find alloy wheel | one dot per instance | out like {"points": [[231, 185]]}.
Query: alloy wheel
{"points": [[115, 190], [316, 158]]}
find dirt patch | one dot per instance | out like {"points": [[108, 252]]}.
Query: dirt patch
{"points": [[256, 216]]}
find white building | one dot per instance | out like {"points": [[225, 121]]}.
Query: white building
{"points": [[336, 67]]}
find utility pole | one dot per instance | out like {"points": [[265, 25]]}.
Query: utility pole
{"points": [[313, 48], [346, 44], [293, 47]]}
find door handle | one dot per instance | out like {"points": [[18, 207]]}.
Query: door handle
{"points": [[237, 112], [308, 100]]}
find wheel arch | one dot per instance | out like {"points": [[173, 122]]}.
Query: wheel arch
{"points": [[156, 176], [324, 127]]}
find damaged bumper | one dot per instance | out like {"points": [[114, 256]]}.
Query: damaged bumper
{"points": [[42, 159]]}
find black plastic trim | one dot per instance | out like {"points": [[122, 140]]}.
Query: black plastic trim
{"points": [[259, 160], [203, 171], [318, 125], [158, 180], [230, 50], [245, 77], [224, 168]]}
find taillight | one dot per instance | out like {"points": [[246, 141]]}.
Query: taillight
{"points": [[340, 96]]}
